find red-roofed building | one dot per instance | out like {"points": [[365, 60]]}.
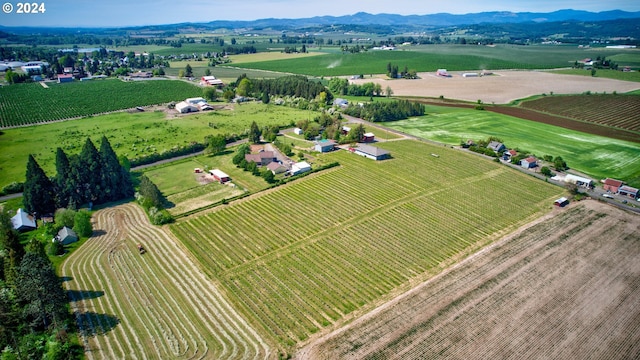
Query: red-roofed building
{"points": [[529, 162], [612, 185]]}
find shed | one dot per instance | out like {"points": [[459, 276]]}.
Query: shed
{"points": [[529, 162], [562, 202], [345, 130], [23, 221], [578, 180], [628, 191], [442, 72], [298, 131], [300, 167], [371, 152], [219, 175], [66, 236], [612, 185], [325, 145], [340, 102], [466, 75], [368, 137], [65, 78], [184, 107]]}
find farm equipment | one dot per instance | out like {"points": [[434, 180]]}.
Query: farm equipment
{"points": [[141, 249]]}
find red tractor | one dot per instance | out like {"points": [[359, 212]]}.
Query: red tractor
{"points": [[141, 249]]}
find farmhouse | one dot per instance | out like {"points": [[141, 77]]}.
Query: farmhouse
{"points": [[184, 107], [300, 167], [65, 78], [368, 137], [578, 180], [219, 176], [498, 147], [371, 152], [628, 191], [262, 158], [612, 185], [325, 145], [276, 168], [66, 236], [22, 221], [529, 162]]}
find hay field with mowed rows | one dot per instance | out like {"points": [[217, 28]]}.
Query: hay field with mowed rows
{"points": [[305, 258]]}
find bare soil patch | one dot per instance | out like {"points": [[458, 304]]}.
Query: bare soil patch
{"points": [[502, 87], [567, 286]]}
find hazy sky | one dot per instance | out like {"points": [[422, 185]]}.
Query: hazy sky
{"points": [[70, 13]]}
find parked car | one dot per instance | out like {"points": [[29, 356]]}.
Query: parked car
{"points": [[607, 196]]}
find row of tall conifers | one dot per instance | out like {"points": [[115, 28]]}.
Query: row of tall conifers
{"points": [[91, 177]]}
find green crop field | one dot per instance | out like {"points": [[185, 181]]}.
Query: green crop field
{"points": [[594, 155], [132, 135], [320, 251], [450, 57], [23, 104], [600, 73]]}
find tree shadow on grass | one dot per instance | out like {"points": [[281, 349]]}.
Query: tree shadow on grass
{"points": [[93, 324], [65, 278], [76, 295]]}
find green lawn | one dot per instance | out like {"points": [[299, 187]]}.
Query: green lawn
{"points": [[132, 135], [596, 156]]}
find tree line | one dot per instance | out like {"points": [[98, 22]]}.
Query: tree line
{"points": [[387, 111], [294, 85], [89, 177]]}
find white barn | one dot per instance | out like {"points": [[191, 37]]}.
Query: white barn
{"points": [[578, 180], [299, 168], [184, 107]]}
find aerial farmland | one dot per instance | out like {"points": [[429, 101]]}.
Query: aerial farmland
{"points": [[239, 239]]}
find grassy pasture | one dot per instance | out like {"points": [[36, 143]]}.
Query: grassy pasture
{"points": [[31, 103], [186, 190], [594, 155], [601, 73], [132, 135], [320, 251]]}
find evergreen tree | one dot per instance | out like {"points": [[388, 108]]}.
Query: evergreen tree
{"points": [[254, 133], [10, 248], [151, 193], [38, 193], [41, 291], [115, 179], [90, 172], [63, 184]]}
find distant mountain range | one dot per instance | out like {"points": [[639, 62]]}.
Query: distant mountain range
{"points": [[366, 20], [435, 20]]}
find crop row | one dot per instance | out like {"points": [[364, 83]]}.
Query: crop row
{"points": [[24, 104], [158, 304], [619, 111], [306, 255]]}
